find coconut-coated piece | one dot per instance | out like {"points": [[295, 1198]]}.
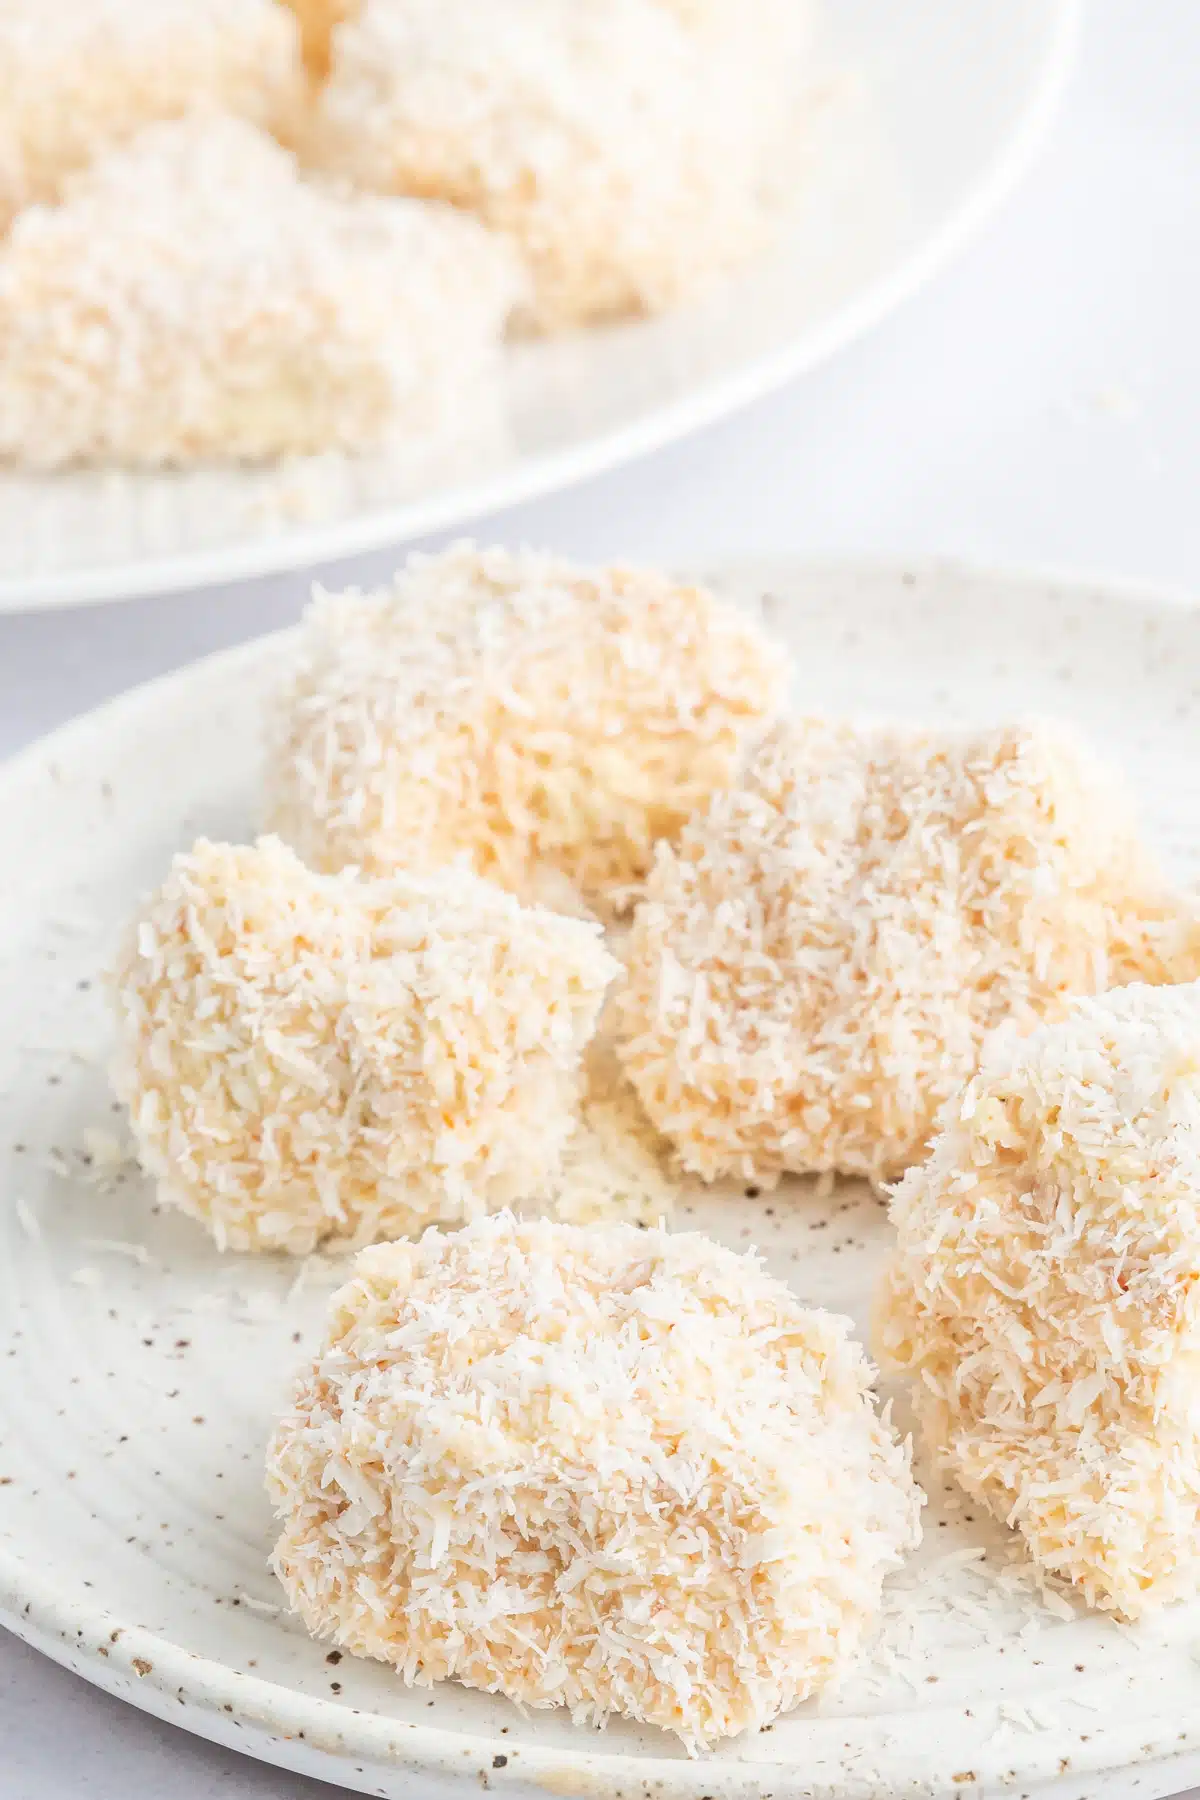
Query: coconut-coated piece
{"points": [[818, 959], [550, 722], [618, 1471], [1044, 1294], [309, 1056], [631, 149], [191, 298]]}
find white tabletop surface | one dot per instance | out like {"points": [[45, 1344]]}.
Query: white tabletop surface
{"points": [[1039, 405]]}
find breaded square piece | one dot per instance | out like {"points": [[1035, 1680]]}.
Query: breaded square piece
{"points": [[633, 149], [79, 77], [611, 1470], [309, 1056], [1044, 1294], [817, 961], [550, 722], [191, 298]]}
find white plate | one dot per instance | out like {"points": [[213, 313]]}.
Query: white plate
{"points": [[941, 110], [139, 1383]]}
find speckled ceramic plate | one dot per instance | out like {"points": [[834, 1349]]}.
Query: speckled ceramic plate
{"points": [[141, 1370], [926, 114]]}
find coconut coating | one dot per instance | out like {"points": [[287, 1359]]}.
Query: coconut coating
{"points": [[1044, 1294], [550, 722], [614, 1470], [632, 149], [318, 20], [816, 963], [308, 1056], [190, 297], [82, 76]]}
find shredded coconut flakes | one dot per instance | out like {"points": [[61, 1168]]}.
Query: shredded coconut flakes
{"points": [[615, 1165], [27, 1218], [631, 148], [606, 1469], [80, 77], [191, 298], [1045, 1292], [817, 961], [318, 19], [550, 721], [308, 1056]]}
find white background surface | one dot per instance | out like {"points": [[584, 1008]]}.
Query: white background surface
{"points": [[1040, 404]]}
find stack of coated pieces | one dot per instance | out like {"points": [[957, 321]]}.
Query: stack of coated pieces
{"points": [[230, 229], [600, 1464]]}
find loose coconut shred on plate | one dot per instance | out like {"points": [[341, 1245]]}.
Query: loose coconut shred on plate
{"points": [[608, 1469], [817, 961], [550, 722]]}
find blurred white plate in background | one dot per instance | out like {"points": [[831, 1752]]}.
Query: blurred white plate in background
{"points": [[935, 110]]}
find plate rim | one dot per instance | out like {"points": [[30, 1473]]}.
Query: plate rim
{"points": [[315, 1734], [309, 548]]}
